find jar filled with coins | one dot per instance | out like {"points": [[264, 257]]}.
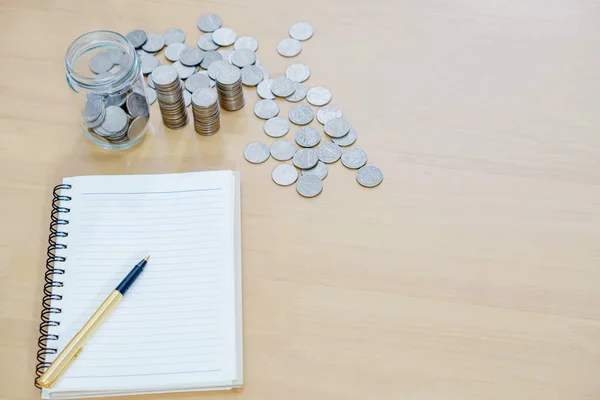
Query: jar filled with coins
{"points": [[104, 72]]}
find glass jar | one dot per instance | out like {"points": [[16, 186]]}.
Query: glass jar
{"points": [[105, 74]]}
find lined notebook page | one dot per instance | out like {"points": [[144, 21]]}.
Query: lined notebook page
{"points": [[176, 327]]}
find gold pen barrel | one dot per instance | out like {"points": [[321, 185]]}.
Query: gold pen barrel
{"points": [[72, 349]]}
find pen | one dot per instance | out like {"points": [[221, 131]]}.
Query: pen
{"points": [[74, 347]]}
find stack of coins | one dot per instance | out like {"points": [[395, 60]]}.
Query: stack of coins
{"points": [[169, 92], [207, 118], [229, 87]]}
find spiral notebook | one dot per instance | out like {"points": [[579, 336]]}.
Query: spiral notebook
{"points": [[179, 328]]}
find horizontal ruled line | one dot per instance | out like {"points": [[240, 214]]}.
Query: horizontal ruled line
{"points": [[150, 374], [134, 193]]}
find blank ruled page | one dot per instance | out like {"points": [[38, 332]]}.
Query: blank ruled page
{"points": [[176, 326]]}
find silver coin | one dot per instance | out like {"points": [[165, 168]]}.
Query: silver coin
{"points": [[164, 75], [215, 67], [93, 109], [329, 152], [246, 42], [212, 81], [228, 75], [301, 114], [173, 35], [173, 51], [277, 127], [305, 158], [289, 47], [187, 98], [299, 94], [308, 137], [252, 75], [283, 150], [117, 57], [369, 176], [101, 62], [326, 113], [205, 42], [225, 54], [198, 81], [309, 185], [137, 38], [266, 73], [204, 97], [115, 120], [298, 72], [301, 31], [284, 174], [257, 152], [150, 95], [318, 96], [224, 37], [264, 89], [137, 105], [283, 87], [319, 170], [243, 57], [266, 109], [354, 158], [209, 58], [137, 127], [347, 139], [183, 71], [209, 22], [191, 56], [154, 43], [337, 127], [149, 63]]}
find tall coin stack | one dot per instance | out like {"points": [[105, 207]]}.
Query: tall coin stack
{"points": [[169, 92], [229, 87], [205, 108]]}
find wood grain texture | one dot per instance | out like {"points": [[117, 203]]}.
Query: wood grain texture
{"points": [[472, 272]]}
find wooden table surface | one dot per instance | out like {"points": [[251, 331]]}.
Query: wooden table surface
{"points": [[472, 272]]}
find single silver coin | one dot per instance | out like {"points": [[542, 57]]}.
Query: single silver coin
{"points": [[228, 75], [209, 58], [173, 35], [305, 158], [309, 185], [369, 176], [173, 51], [318, 96], [283, 87], [329, 152], [246, 42], [225, 54], [164, 75], [150, 95], [301, 31], [191, 56], [337, 127], [183, 71], [301, 114], [326, 113], [354, 158], [187, 98], [209, 22], [212, 81], [298, 72], [289, 47], [347, 139], [149, 63], [93, 109], [137, 105], [198, 81], [266, 109], [205, 97], [283, 150], [224, 37], [308, 137], [252, 75], [115, 120], [154, 43], [137, 38], [321, 170], [101, 62], [277, 127], [205, 42], [117, 57], [257, 152], [266, 73], [284, 174], [215, 67], [299, 94], [264, 89], [242, 58], [137, 127]]}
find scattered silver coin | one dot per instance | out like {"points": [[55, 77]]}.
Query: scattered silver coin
{"points": [[209, 58], [205, 42], [347, 139], [308, 137], [354, 158], [190, 56], [137, 105], [150, 95], [284, 174], [329, 152], [204, 72], [277, 127], [246, 42], [224, 37], [187, 98], [266, 109], [198, 81], [369, 176], [137, 38], [298, 72], [173, 35], [301, 31], [115, 121], [225, 54], [326, 113], [183, 71], [337, 127], [100, 62], [283, 150], [252, 75], [257, 152], [318, 96], [149, 63], [305, 158], [216, 67], [299, 94], [283, 87], [321, 170], [301, 114], [173, 51], [154, 43], [209, 23], [309, 185], [243, 57], [264, 89], [289, 47]]}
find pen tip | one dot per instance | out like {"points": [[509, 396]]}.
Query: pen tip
{"points": [[147, 258]]}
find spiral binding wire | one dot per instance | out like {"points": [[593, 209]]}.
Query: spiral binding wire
{"points": [[52, 281]]}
